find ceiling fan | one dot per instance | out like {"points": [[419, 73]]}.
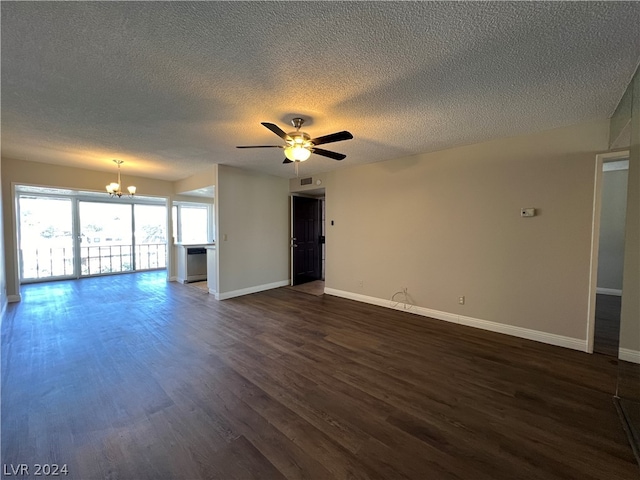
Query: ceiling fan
{"points": [[299, 145]]}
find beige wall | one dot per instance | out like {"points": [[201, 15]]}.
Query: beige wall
{"points": [[46, 174], [448, 223], [252, 211], [295, 187], [612, 222], [203, 179]]}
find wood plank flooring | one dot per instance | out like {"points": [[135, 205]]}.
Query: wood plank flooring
{"points": [[130, 377], [315, 287]]}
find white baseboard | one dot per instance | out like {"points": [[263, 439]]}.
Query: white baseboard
{"points": [[609, 291], [173, 279], [520, 332], [247, 291], [629, 355], [14, 298]]}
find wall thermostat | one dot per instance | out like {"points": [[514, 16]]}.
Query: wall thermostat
{"points": [[527, 212]]}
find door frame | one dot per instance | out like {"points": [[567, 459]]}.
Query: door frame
{"points": [[601, 159], [319, 194]]}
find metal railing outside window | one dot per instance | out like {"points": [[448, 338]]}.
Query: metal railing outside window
{"points": [[42, 263]]}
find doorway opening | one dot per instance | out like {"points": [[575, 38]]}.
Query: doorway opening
{"points": [[607, 256], [308, 242]]}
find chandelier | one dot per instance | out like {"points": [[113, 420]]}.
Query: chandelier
{"points": [[115, 189]]}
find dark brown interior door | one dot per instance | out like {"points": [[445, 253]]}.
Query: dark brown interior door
{"points": [[307, 232]]}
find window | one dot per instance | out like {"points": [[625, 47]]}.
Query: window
{"points": [[192, 222]]}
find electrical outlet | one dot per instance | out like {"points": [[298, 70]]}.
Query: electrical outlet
{"points": [[461, 300]]}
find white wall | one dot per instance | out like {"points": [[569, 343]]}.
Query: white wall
{"points": [[448, 224], [612, 223], [252, 225]]}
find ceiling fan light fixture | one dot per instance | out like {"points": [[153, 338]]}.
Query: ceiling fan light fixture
{"points": [[297, 153], [299, 145]]}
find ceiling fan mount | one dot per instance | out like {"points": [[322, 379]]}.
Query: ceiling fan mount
{"points": [[299, 145], [297, 122]]}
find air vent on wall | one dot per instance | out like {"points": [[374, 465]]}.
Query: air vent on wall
{"points": [[306, 181]]}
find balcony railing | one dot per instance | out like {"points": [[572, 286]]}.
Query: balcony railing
{"points": [[49, 262]]}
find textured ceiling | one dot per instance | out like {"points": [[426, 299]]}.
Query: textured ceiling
{"points": [[172, 87]]}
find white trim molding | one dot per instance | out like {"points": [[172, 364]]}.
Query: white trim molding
{"points": [[609, 291], [14, 298], [520, 332], [629, 355], [247, 291]]}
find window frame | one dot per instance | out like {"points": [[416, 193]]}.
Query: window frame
{"points": [[176, 214]]}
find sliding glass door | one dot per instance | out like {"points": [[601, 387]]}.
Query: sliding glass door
{"points": [[46, 238], [150, 236], [106, 239], [72, 235]]}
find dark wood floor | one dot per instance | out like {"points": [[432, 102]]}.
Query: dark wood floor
{"points": [[131, 377], [607, 324]]}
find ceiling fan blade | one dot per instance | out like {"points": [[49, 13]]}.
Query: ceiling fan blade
{"points": [[286, 160], [327, 153], [260, 146], [333, 137], [276, 129]]}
